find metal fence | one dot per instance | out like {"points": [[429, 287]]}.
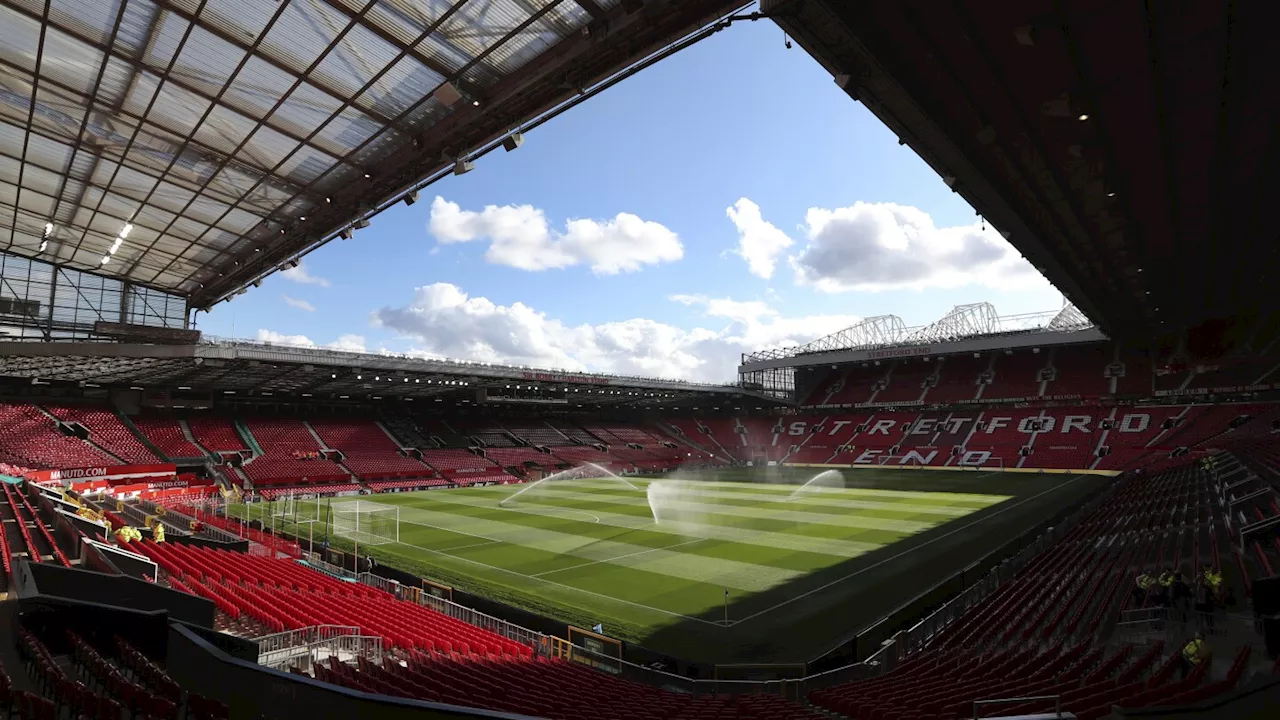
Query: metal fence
{"points": [[305, 647], [314, 560]]}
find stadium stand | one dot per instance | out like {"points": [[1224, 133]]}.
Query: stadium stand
{"points": [[369, 451], [167, 434], [1047, 640], [107, 431], [958, 378], [290, 455], [1015, 374], [31, 438], [906, 382], [216, 434]]}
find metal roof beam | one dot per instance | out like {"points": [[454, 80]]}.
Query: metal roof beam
{"points": [[592, 7], [370, 83], [31, 115], [255, 49]]}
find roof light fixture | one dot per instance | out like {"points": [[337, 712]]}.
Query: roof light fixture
{"points": [[48, 229], [462, 167], [1083, 117], [411, 198], [361, 224], [106, 259], [44, 245], [513, 141], [124, 231]]}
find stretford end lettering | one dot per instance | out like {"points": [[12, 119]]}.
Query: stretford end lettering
{"points": [[1067, 425]]}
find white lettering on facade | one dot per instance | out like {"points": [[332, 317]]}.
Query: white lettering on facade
{"points": [[1135, 423], [917, 457], [996, 423], [882, 427], [867, 457], [975, 457], [1078, 422]]}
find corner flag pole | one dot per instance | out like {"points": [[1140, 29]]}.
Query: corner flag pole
{"points": [[726, 607]]}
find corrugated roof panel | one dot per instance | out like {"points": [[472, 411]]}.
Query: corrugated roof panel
{"points": [[303, 33], [355, 61], [267, 149], [305, 109], [92, 19], [347, 129]]}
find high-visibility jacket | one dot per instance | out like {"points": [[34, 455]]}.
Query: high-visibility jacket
{"points": [[1193, 652], [1166, 579], [1144, 581], [157, 533], [1213, 579]]}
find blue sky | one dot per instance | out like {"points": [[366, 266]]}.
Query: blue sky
{"points": [[607, 244]]}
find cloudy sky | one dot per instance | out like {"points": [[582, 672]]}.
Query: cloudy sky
{"points": [[730, 199]]}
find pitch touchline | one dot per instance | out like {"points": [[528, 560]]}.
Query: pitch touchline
{"points": [[597, 562], [542, 580], [855, 573]]}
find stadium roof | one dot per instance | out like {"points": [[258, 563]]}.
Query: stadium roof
{"points": [[1128, 149], [963, 322], [244, 369], [195, 145]]}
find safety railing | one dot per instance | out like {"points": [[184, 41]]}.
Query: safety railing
{"points": [[979, 704], [184, 521], [314, 560], [306, 646]]}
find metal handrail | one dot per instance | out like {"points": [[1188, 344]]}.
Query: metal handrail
{"points": [[1057, 703]]}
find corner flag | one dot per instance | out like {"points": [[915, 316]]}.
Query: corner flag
{"points": [[599, 628]]}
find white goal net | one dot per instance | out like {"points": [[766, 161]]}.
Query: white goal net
{"points": [[367, 523]]}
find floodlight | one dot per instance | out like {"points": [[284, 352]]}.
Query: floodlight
{"points": [[361, 224], [411, 198], [124, 231], [462, 167], [44, 245], [48, 229], [345, 233], [106, 259], [513, 141]]}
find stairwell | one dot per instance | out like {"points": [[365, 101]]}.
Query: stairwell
{"points": [[246, 436], [191, 438], [315, 435], [138, 434]]}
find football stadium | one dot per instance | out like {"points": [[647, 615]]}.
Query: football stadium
{"points": [[1072, 513]]}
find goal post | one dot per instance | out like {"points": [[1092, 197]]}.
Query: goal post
{"points": [[366, 523]]}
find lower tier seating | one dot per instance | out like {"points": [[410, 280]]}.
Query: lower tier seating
{"points": [[1037, 634]]}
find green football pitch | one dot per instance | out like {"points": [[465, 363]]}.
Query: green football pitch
{"points": [[802, 571]]}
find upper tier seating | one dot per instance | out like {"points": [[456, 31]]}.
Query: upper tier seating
{"points": [[1016, 374], [517, 457], [858, 384], [906, 382], [280, 440], [576, 455], [166, 434], [455, 460], [536, 434], [370, 452], [1081, 370], [573, 432], [1025, 639], [106, 429], [958, 379], [31, 438], [216, 434]]}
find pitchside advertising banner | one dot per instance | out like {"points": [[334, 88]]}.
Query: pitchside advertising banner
{"points": [[119, 479]]}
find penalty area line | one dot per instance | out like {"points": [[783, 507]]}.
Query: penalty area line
{"points": [[904, 553], [495, 568]]}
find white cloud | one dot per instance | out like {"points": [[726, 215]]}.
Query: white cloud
{"points": [[299, 274], [521, 237], [759, 242], [298, 303], [348, 343], [446, 322], [275, 338], [884, 246]]}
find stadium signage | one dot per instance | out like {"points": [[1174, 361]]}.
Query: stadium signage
{"points": [[902, 352], [117, 472], [1067, 424], [1188, 392], [560, 377]]}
